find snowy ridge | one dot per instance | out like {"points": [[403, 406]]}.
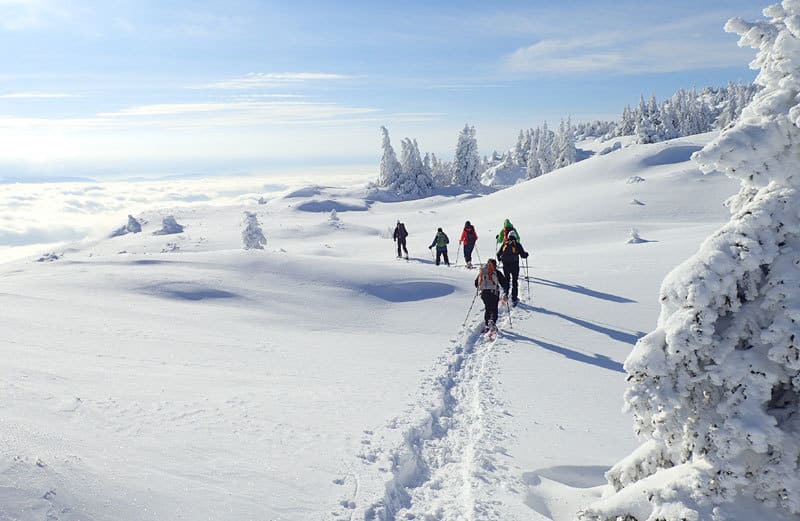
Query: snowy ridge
{"points": [[446, 466]]}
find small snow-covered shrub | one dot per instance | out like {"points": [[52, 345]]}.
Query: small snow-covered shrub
{"points": [[634, 237], [133, 226], [715, 389], [169, 226], [252, 235], [49, 257], [333, 217], [607, 150], [634, 179]]}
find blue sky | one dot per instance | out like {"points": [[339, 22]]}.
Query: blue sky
{"points": [[162, 87]]}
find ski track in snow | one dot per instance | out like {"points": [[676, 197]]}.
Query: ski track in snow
{"points": [[450, 465]]}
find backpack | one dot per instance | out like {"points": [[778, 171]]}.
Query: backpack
{"points": [[487, 278], [441, 240], [401, 230], [471, 234], [513, 245]]}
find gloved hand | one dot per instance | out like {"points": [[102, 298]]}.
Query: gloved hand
{"points": [[524, 255]]}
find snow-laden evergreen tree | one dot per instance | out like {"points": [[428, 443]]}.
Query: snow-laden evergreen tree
{"points": [[410, 160], [533, 168], [627, 124], [427, 167], [441, 172], [408, 180], [466, 164], [564, 145], [390, 167], [520, 149], [544, 150], [252, 235], [715, 389]]}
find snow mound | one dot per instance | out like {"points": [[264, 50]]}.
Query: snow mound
{"points": [[502, 175], [169, 226], [671, 155]]}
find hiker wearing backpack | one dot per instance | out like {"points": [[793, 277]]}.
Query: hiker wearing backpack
{"points": [[400, 234], [468, 238], [507, 227], [509, 253], [489, 281], [440, 241]]}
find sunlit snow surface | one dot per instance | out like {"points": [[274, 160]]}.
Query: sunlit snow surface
{"points": [[161, 377]]}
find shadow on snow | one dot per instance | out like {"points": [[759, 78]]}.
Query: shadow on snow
{"points": [[582, 290], [616, 334], [596, 359], [408, 291]]}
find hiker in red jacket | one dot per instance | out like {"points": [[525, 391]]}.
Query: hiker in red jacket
{"points": [[468, 238]]}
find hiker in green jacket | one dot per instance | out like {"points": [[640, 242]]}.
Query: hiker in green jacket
{"points": [[440, 241], [503, 235]]}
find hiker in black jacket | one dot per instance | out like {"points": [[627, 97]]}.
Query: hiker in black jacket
{"points": [[509, 253], [400, 234]]}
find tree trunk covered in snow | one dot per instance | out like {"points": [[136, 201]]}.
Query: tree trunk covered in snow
{"points": [[715, 388]]}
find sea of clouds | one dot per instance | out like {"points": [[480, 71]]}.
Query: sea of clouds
{"points": [[38, 216]]}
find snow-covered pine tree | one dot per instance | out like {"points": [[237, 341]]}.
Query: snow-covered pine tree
{"points": [[410, 161], [390, 167], [544, 150], [467, 160], [565, 152], [627, 124], [534, 169], [519, 149], [252, 235], [408, 180], [715, 389], [441, 172]]}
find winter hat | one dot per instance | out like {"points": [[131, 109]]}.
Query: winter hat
{"points": [[438, 229], [467, 224], [507, 224], [512, 236]]}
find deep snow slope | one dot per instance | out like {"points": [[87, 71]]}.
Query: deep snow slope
{"points": [[180, 377]]}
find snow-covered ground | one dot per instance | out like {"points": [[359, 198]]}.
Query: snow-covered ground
{"points": [[160, 377]]}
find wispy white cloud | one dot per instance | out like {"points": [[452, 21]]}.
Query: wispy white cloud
{"points": [[238, 113], [20, 15], [258, 80], [36, 95], [684, 44]]}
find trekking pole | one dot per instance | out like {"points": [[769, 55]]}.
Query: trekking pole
{"points": [[478, 254], [470, 308], [457, 252], [528, 278], [508, 307]]}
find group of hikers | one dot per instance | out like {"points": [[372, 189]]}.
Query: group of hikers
{"points": [[490, 279]]}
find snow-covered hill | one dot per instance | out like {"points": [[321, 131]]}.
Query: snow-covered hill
{"points": [[156, 377]]}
